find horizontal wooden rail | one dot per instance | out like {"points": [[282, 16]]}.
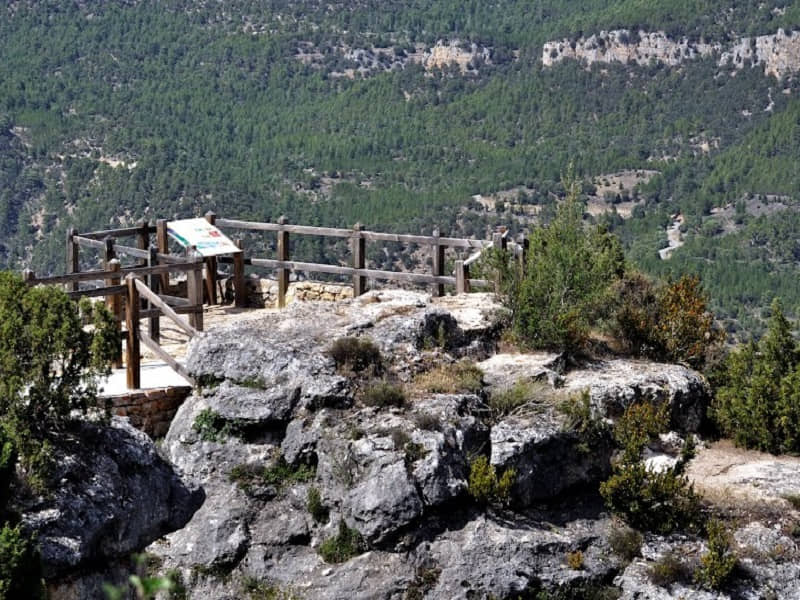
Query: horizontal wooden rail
{"points": [[165, 356], [178, 267], [112, 290], [145, 291], [89, 242], [130, 251], [370, 236], [121, 232]]}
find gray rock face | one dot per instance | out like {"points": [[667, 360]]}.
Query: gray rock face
{"points": [[548, 459], [109, 503]]}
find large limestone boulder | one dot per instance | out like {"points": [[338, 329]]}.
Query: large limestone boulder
{"points": [[115, 495]]}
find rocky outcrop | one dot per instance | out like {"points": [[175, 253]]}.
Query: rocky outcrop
{"points": [[778, 54], [115, 495], [290, 453], [443, 54]]}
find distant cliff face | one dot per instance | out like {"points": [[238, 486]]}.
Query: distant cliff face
{"points": [[779, 54]]}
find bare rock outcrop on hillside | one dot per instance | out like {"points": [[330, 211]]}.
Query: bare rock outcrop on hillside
{"points": [[778, 54]]}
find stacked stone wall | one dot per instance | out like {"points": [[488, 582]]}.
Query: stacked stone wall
{"points": [[150, 410]]}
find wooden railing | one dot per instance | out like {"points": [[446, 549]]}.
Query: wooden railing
{"points": [[460, 278], [136, 291]]}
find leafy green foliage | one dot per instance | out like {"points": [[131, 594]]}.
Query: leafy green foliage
{"points": [[8, 461], [485, 487], [565, 288], [210, 426], [757, 400], [503, 402], [279, 474], [257, 589], [648, 500], [146, 584], [716, 565], [316, 508], [49, 366], [20, 568], [346, 544], [590, 428]]}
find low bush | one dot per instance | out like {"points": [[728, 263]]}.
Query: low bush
{"points": [[575, 560], [458, 378], [210, 426], [20, 567], [591, 429], [346, 544], [668, 569], [649, 500], [280, 474], [257, 589], [484, 485], [317, 510], [383, 395], [505, 401], [625, 542], [355, 354], [716, 565], [757, 400]]}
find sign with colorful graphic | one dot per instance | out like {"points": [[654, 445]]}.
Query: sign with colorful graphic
{"points": [[201, 234]]}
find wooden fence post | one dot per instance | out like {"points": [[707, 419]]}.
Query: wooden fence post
{"points": [[461, 285], [357, 247], [283, 254], [73, 266], [143, 239], [239, 283], [162, 243], [133, 357], [194, 290], [114, 305], [153, 281], [498, 243], [211, 267], [28, 276], [437, 259]]}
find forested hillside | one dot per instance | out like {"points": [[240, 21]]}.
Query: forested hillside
{"points": [[331, 113]]}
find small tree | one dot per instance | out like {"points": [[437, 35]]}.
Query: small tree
{"points": [[566, 285], [758, 400], [49, 363]]}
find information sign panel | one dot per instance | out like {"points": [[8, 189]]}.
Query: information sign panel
{"points": [[205, 237]]}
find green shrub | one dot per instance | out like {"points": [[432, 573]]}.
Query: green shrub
{"points": [[20, 567], [565, 289], [355, 354], [256, 589], [667, 570], [505, 401], [716, 565], [428, 422], [458, 378], [661, 502], [346, 544], [757, 401], [279, 474], [317, 510], [591, 429], [49, 366], [8, 461], [625, 542], [384, 394], [210, 426], [484, 485]]}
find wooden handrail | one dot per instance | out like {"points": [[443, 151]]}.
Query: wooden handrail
{"points": [[121, 232], [179, 267], [370, 236], [145, 291]]}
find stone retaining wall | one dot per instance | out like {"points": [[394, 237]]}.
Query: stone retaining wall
{"points": [[150, 410], [264, 292]]}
